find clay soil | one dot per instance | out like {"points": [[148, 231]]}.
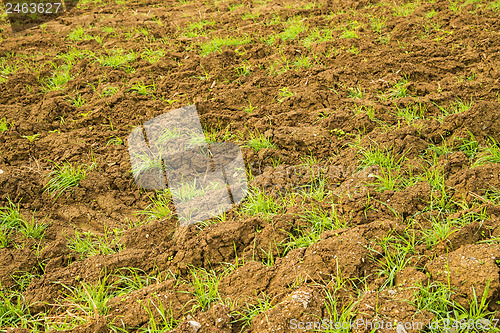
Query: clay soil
{"points": [[329, 231]]}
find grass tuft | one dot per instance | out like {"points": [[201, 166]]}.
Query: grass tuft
{"points": [[65, 177]]}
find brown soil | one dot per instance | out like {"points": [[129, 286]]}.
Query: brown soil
{"points": [[318, 120]]}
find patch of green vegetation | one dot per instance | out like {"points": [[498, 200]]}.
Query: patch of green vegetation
{"points": [[159, 207], [143, 89], [317, 36], [90, 300], [198, 28], [367, 109], [206, 287], [470, 146], [117, 58], [377, 23], [356, 93], [4, 125], [293, 27], [249, 108], [317, 221], [233, 7], [404, 9], [114, 140], [33, 229], [383, 158], [73, 54], [259, 141], [59, 78], [349, 30], [217, 43], [151, 55], [10, 217], [349, 34], [412, 112], [284, 94], [258, 203], [399, 89], [431, 13], [87, 244], [108, 30], [279, 66], [12, 220], [109, 91], [489, 154], [250, 16], [437, 298], [302, 62], [251, 310], [161, 318], [65, 177], [495, 5], [6, 68], [79, 34], [244, 69], [14, 311], [77, 100], [456, 107], [397, 252]]}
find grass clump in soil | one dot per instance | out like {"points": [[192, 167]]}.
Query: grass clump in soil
{"points": [[65, 177]]}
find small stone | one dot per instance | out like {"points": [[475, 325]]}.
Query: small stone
{"points": [[194, 325], [1, 171]]}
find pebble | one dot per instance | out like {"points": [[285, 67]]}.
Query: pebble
{"points": [[1, 171], [195, 326]]}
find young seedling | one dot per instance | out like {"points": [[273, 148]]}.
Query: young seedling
{"points": [[143, 89], [294, 27], [367, 109], [217, 43], [399, 89], [59, 78], [77, 101], [249, 108], [114, 140], [65, 177], [258, 203], [117, 59], [90, 299], [206, 287], [159, 208], [4, 237], [79, 34], [259, 141], [87, 244], [31, 138], [152, 56], [252, 310], [489, 154], [356, 93], [10, 217], [377, 23], [109, 91], [411, 112], [155, 308], [33, 229], [284, 94], [4, 126]]}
